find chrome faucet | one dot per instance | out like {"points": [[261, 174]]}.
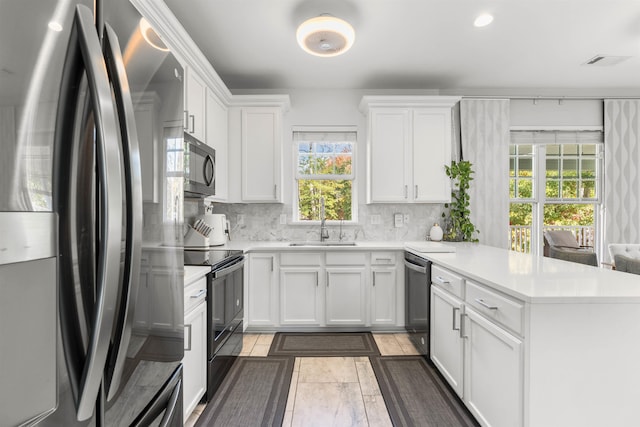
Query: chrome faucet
{"points": [[324, 233]]}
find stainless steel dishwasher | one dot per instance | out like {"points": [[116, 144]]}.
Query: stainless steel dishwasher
{"points": [[417, 284]]}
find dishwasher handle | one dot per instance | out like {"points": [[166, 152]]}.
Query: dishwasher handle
{"points": [[415, 267]]}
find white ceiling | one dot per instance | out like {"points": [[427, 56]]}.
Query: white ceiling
{"points": [[532, 45]]}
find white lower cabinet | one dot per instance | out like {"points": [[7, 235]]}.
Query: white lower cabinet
{"points": [[474, 349], [262, 290], [194, 362], [446, 340], [493, 383], [194, 371], [300, 296], [345, 297], [384, 284], [315, 289]]}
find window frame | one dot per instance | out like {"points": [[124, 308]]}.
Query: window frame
{"points": [[539, 176], [353, 177]]}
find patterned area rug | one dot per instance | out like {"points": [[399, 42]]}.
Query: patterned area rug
{"points": [[324, 344], [254, 393], [415, 394]]}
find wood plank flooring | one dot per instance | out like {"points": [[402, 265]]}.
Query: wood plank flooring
{"points": [[336, 391]]}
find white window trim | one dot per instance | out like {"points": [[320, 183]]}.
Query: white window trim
{"points": [[354, 179]]}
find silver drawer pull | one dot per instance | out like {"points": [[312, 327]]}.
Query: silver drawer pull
{"points": [[442, 280], [199, 294], [485, 305]]}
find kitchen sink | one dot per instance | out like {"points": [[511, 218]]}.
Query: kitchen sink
{"points": [[322, 244]]}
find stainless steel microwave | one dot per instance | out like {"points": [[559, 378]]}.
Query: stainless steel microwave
{"points": [[199, 168]]}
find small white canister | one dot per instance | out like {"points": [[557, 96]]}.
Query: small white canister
{"points": [[435, 233]]}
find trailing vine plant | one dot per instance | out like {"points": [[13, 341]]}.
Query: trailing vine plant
{"points": [[460, 226]]}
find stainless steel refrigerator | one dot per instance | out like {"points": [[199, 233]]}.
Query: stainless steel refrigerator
{"points": [[91, 192]]}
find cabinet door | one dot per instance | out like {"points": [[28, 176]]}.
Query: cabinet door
{"points": [[162, 303], [300, 296], [431, 152], [493, 372], [194, 364], [387, 150], [261, 154], [195, 90], [262, 299], [383, 295], [446, 342], [345, 297], [217, 125]]}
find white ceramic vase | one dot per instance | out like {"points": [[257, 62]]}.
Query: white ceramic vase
{"points": [[435, 233]]}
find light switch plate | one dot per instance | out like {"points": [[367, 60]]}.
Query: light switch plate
{"points": [[398, 220]]}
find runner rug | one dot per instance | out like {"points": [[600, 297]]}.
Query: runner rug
{"points": [[416, 395], [254, 393], [324, 344]]}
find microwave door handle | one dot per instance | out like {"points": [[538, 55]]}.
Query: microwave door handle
{"points": [[84, 53], [133, 188], [208, 170]]}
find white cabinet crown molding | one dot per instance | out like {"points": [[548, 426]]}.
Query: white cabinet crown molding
{"points": [[280, 101], [177, 38], [407, 101]]}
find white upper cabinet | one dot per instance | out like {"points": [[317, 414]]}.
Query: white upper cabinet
{"points": [[261, 153], [217, 136], [194, 94], [408, 145]]}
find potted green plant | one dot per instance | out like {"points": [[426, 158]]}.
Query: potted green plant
{"points": [[458, 225]]}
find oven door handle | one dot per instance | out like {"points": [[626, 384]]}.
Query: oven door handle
{"points": [[228, 270], [415, 267]]}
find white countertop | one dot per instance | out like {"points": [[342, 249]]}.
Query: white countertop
{"points": [[193, 273], [260, 246], [538, 279]]}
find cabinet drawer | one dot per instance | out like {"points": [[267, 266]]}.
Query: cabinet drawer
{"points": [[346, 258], [447, 280], [194, 294], [500, 308], [383, 258], [301, 258]]}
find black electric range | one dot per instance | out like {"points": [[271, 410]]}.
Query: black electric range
{"points": [[225, 310], [216, 258]]}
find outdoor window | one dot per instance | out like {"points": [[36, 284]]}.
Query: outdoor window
{"points": [[555, 184], [324, 169]]}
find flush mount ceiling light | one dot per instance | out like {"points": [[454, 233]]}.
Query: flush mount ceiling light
{"points": [[325, 35], [483, 20]]}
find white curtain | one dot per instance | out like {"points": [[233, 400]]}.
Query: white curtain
{"points": [[485, 143], [621, 171]]}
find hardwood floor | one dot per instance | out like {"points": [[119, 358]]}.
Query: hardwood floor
{"points": [[336, 391]]}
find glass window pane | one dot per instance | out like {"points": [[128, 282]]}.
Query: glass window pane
{"points": [[304, 164], [588, 189], [520, 225], [337, 196], [552, 189], [553, 150], [512, 167], [344, 147], [512, 149], [574, 214], [525, 188], [512, 188], [525, 150], [553, 168], [588, 168], [570, 149], [525, 166], [569, 189], [569, 167], [589, 149], [304, 147]]}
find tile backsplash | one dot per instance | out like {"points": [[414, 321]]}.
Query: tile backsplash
{"points": [[262, 222]]}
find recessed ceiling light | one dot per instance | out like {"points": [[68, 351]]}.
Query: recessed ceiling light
{"points": [[325, 35], [483, 20], [55, 26]]}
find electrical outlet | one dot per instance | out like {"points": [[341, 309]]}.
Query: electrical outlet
{"points": [[376, 220], [406, 218], [283, 219], [398, 220], [240, 219]]}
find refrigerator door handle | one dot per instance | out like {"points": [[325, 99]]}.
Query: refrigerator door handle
{"points": [[87, 355], [172, 407], [133, 196]]}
